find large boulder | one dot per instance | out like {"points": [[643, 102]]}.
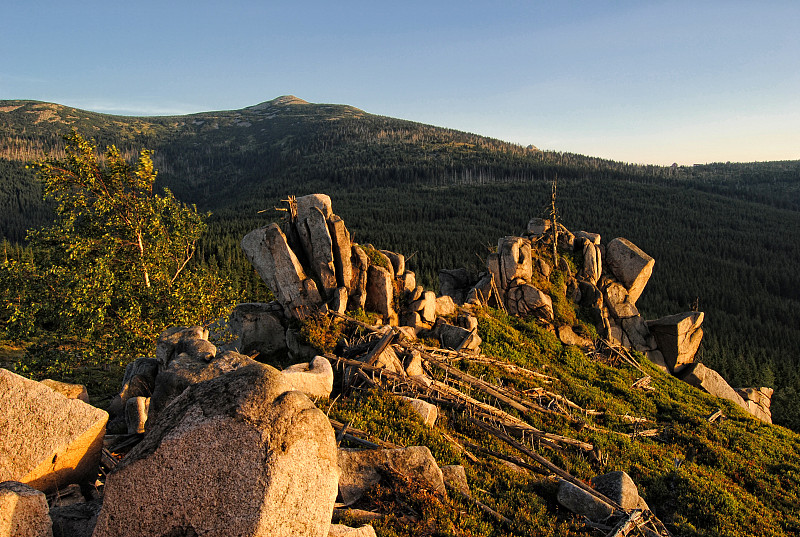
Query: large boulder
{"points": [[268, 251], [708, 380], [362, 469], [528, 300], [70, 391], [456, 337], [630, 265], [305, 204], [186, 370], [258, 328], [592, 263], [359, 264], [678, 337], [240, 455], [454, 283], [758, 401], [47, 440]]}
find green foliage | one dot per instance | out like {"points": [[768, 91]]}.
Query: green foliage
{"points": [[115, 268]]}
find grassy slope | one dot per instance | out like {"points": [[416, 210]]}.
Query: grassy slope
{"points": [[734, 477]]}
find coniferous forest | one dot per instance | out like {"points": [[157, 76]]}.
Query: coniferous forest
{"points": [[722, 234]]}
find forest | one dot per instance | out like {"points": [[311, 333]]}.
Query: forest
{"points": [[721, 234]]}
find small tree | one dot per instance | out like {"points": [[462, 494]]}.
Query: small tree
{"points": [[115, 268]]}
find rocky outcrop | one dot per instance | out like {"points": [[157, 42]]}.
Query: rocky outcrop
{"points": [[705, 378], [241, 454], [758, 401], [23, 511], [48, 440], [630, 265], [258, 328]]}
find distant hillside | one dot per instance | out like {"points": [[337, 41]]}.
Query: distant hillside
{"points": [[720, 233]]}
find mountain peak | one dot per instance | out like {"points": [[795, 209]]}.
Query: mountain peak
{"points": [[283, 100]]}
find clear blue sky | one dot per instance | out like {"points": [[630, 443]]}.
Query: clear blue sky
{"points": [[645, 82]]}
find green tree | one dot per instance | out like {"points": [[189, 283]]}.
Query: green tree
{"points": [[116, 267]]}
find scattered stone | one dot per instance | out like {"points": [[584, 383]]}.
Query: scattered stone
{"points": [[241, 454], [48, 441], [361, 469], [23, 511], [315, 379], [455, 477], [630, 265], [453, 337], [582, 503], [426, 411], [620, 488], [413, 364], [70, 391]]}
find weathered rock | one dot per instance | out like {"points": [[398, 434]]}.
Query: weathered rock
{"points": [[758, 401], [454, 337], [409, 282], [527, 299], [454, 283], [299, 350], [582, 503], [416, 294], [542, 267], [318, 248], [426, 306], [342, 251], [318, 201], [594, 238], [445, 306], [413, 320], [515, 259], [361, 469], [638, 334], [339, 301], [398, 262], [592, 263], [678, 337], [340, 530], [238, 455], [70, 391], [185, 371], [258, 328], [409, 332], [426, 411], [380, 293], [359, 263], [620, 488], [481, 293], [48, 441], [568, 337], [467, 321], [413, 364], [493, 266], [315, 379], [269, 253], [630, 265], [23, 511], [618, 302], [705, 378], [456, 478], [136, 410]]}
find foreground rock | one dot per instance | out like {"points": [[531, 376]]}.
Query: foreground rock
{"points": [[582, 503], [237, 455], [48, 441], [23, 511]]}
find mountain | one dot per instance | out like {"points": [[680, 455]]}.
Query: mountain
{"points": [[721, 233]]}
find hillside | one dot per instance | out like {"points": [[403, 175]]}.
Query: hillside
{"points": [[719, 232]]}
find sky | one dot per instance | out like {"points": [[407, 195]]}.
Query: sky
{"points": [[650, 82]]}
